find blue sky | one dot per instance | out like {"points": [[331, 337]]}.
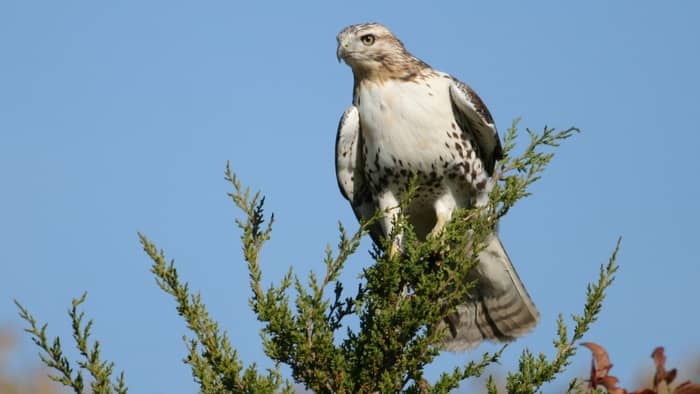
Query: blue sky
{"points": [[120, 117]]}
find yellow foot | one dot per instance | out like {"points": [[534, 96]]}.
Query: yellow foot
{"points": [[439, 226], [395, 249]]}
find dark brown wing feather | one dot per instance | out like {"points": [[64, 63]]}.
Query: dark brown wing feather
{"points": [[472, 115]]}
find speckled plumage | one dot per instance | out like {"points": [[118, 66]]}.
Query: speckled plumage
{"points": [[409, 120]]}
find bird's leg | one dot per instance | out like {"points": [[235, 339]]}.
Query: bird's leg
{"points": [[444, 206], [389, 205], [396, 247]]}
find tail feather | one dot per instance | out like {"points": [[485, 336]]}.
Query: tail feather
{"points": [[499, 309]]}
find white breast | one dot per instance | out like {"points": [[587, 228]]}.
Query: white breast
{"points": [[406, 120]]}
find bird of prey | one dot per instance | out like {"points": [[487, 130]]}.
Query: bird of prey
{"points": [[408, 121]]}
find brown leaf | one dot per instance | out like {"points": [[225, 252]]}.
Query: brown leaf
{"points": [[600, 366], [687, 388], [660, 362], [608, 381], [644, 391], [423, 386], [617, 390], [600, 358], [610, 384]]}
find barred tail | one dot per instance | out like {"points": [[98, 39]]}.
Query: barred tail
{"points": [[499, 308]]}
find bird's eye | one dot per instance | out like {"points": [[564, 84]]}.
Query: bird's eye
{"points": [[367, 39]]}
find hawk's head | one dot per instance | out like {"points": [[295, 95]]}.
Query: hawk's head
{"points": [[372, 50]]}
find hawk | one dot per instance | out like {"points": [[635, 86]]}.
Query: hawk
{"points": [[408, 120]]}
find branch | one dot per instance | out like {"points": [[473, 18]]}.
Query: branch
{"points": [[52, 355], [214, 363], [535, 371]]}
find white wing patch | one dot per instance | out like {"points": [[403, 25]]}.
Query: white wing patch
{"points": [[349, 170], [346, 152]]}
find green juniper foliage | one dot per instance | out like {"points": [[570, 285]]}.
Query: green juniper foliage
{"points": [[53, 357], [398, 302]]}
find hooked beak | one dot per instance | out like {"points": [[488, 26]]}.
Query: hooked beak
{"points": [[343, 44], [340, 53]]}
